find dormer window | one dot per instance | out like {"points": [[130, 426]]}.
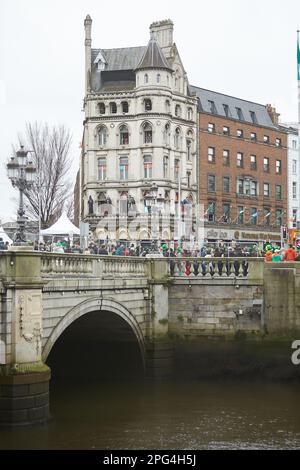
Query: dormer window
{"points": [[212, 107], [113, 108], [239, 113], [101, 108], [148, 105], [125, 107]]}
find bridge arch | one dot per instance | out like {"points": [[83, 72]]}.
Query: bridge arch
{"points": [[92, 305]]}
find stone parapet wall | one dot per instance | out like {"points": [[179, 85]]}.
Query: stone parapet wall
{"points": [[214, 308]]}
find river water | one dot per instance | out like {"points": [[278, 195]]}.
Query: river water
{"points": [[168, 415]]}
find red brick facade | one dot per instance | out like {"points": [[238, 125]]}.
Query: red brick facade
{"points": [[256, 191]]}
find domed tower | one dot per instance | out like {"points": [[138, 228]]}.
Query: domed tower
{"points": [[153, 69]]}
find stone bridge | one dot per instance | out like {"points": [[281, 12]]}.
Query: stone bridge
{"points": [[152, 302]]}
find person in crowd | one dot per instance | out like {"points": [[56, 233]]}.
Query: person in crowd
{"points": [[290, 254], [268, 254], [132, 250], [2, 244], [102, 250], [276, 257], [118, 251]]}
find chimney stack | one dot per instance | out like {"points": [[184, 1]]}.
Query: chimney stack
{"points": [[273, 114], [88, 52], [163, 32]]}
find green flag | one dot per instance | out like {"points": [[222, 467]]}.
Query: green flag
{"points": [[298, 56]]}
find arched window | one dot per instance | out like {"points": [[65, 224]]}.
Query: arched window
{"points": [[102, 168], [147, 130], [177, 138], [125, 107], [167, 106], [147, 166], [158, 78], [190, 114], [102, 136], [146, 78], [113, 108], [148, 104], [101, 107], [166, 135], [124, 135], [123, 166], [177, 110]]}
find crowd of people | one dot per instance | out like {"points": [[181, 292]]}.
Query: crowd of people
{"points": [[275, 254], [271, 252]]}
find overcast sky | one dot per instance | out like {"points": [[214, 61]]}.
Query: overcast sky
{"points": [[245, 48]]}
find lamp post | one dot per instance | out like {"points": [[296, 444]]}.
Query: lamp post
{"points": [[179, 206], [22, 173]]}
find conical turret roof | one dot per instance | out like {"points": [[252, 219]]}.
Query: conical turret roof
{"points": [[153, 57]]}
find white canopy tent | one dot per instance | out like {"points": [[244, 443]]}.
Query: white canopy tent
{"points": [[4, 236], [63, 226]]}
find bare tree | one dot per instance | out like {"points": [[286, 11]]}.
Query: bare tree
{"points": [[50, 153], [69, 207]]}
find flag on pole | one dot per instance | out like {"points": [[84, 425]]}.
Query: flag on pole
{"points": [[298, 56], [208, 209]]}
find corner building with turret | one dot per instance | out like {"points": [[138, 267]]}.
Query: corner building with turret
{"points": [[140, 138]]}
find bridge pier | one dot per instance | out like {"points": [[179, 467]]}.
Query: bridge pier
{"points": [[159, 348], [24, 379]]}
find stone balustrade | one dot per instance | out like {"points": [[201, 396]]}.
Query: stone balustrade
{"points": [[124, 266], [56, 265], [53, 264], [212, 267]]}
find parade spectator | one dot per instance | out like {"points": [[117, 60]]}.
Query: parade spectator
{"points": [[276, 257], [268, 254], [102, 250], [290, 254]]}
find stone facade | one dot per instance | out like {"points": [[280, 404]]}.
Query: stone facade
{"points": [[139, 133]]}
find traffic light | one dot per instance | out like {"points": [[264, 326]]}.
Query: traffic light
{"points": [[284, 233]]}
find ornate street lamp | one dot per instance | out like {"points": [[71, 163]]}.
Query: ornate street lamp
{"points": [[22, 174]]}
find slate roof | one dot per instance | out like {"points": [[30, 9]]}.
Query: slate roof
{"points": [[125, 58], [153, 57], [261, 115]]}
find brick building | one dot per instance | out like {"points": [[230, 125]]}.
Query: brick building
{"points": [[242, 168]]}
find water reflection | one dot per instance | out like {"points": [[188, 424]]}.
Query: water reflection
{"points": [[173, 415]]}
